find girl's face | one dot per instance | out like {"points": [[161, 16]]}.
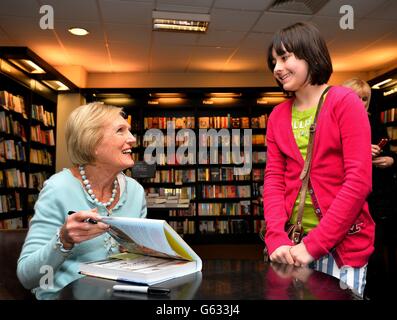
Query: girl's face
{"points": [[290, 71], [114, 150]]}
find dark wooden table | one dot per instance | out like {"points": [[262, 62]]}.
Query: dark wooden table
{"points": [[226, 280]]}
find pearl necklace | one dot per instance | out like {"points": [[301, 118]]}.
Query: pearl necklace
{"points": [[88, 187]]}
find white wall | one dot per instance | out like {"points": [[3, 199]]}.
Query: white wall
{"points": [[66, 104]]}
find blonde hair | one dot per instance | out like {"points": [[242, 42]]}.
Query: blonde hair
{"points": [[84, 130], [360, 87]]}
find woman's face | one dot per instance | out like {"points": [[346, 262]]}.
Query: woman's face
{"points": [[290, 71], [114, 150]]}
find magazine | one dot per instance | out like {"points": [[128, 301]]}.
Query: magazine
{"points": [[155, 253]]}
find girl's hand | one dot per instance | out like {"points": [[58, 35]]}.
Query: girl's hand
{"points": [[282, 255], [300, 255]]}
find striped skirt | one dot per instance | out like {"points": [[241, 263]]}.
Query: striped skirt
{"points": [[353, 278]]}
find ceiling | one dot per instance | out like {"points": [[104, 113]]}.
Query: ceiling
{"points": [[121, 37]]}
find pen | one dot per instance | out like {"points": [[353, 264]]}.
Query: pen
{"points": [[141, 289], [92, 221]]}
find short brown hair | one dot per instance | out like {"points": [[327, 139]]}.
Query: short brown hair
{"points": [[304, 40], [84, 130]]}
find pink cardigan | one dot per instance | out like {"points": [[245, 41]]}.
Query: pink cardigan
{"points": [[341, 177]]}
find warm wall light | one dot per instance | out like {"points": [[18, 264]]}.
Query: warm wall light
{"points": [[379, 84], [179, 21], [78, 31], [166, 95], [56, 85], [219, 100], [224, 94], [271, 98], [28, 66]]}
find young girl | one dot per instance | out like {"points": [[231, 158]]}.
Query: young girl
{"points": [[338, 229]]}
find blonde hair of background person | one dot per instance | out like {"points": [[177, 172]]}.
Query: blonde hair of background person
{"points": [[363, 90]]}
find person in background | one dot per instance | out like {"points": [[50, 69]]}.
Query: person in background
{"points": [[60, 235], [338, 229], [382, 203]]}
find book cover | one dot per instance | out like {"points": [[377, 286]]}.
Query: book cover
{"points": [[156, 253]]}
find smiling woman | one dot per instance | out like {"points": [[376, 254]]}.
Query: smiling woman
{"points": [[99, 144]]}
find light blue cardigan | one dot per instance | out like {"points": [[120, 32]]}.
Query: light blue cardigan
{"points": [[63, 193]]}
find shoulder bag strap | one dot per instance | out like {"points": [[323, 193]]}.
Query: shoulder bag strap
{"points": [[304, 176]]}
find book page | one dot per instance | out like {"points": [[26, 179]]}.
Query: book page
{"points": [[141, 236]]}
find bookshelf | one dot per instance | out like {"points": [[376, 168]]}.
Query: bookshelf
{"points": [[27, 145], [385, 105], [196, 188]]}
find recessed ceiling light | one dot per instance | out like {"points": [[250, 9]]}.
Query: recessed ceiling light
{"points": [[78, 31], [180, 21]]}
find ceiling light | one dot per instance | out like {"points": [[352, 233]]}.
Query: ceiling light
{"points": [[78, 31], [179, 21], [27, 65], [379, 84]]}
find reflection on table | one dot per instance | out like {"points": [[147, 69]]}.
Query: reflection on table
{"points": [[227, 280]]}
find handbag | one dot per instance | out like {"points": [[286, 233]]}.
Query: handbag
{"points": [[295, 230]]}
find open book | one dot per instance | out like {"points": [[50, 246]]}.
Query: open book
{"points": [[156, 253]]}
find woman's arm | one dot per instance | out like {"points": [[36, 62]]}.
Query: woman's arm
{"points": [[40, 249]]}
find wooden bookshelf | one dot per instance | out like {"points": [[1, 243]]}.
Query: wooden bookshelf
{"points": [[27, 148]]}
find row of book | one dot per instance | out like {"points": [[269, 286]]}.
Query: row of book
{"points": [[155, 201], [12, 178], [224, 209], [173, 176], [174, 122], [191, 212], [219, 191], [259, 122], [10, 202], [36, 180], [43, 136], [42, 115], [12, 150], [259, 225], [220, 174], [40, 157], [180, 193], [258, 174], [183, 227], [11, 126], [239, 226], [11, 224], [392, 132], [12, 102], [389, 115]]}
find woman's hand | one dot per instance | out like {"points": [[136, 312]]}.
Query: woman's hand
{"points": [[383, 162], [282, 255], [77, 229], [300, 255], [375, 150]]}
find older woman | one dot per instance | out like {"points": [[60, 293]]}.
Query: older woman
{"points": [[60, 235]]}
